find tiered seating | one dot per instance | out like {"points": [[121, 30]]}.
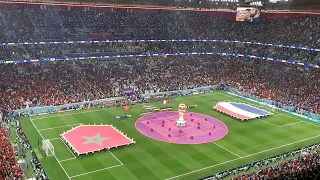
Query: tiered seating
{"points": [[51, 23], [303, 167], [101, 79], [47, 24]]}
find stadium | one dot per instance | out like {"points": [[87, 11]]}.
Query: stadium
{"points": [[163, 90]]}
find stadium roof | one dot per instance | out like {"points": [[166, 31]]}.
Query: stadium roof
{"points": [[313, 5]]}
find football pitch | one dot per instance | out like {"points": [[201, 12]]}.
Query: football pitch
{"points": [[245, 142]]}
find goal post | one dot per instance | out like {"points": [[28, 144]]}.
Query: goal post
{"points": [[47, 147]]}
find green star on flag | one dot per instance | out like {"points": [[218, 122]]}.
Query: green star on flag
{"points": [[97, 139]]}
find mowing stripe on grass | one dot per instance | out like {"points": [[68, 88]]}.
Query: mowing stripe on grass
{"points": [[242, 157], [53, 153]]}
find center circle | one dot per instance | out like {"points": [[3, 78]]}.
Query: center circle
{"points": [[200, 128]]}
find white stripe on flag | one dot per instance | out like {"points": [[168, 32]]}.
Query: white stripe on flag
{"points": [[237, 110]]}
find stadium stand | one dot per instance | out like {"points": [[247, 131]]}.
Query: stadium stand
{"points": [[131, 48], [32, 23], [13, 170], [92, 80], [298, 164], [77, 81]]}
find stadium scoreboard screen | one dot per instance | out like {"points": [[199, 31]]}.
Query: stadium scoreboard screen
{"points": [[248, 14]]}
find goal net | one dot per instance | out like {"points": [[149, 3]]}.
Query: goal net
{"points": [[47, 147]]}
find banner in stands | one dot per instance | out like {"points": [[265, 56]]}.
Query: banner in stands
{"points": [[130, 92], [248, 14], [127, 91]]}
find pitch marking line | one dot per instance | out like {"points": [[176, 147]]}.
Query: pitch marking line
{"points": [[68, 159], [65, 145], [304, 121], [70, 114], [290, 124], [53, 153], [115, 157], [227, 150], [68, 148], [281, 125], [53, 139], [59, 127], [90, 172], [269, 123], [96, 171], [74, 157], [215, 165]]}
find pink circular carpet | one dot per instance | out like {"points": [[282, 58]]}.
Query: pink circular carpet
{"points": [[200, 128]]}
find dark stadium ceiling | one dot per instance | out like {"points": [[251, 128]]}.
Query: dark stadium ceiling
{"points": [[214, 4]]}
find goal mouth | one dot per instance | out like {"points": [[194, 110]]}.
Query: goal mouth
{"points": [[85, 139], [47, 147]]}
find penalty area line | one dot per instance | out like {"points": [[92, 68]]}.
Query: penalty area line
{"points": [[227, 150], [300, 120], [57, 127], [290, 124], [74, 156], [90, 172], [232, 160], [115, 157], [269, 123], [53, 153]]}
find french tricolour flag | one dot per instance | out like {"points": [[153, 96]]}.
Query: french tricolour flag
{"points": [[165, 102], [240, 110]]}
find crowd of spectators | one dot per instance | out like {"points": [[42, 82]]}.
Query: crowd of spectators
{"points": [[9, 167], [298, 164], [103, 49], [23, 24], [25, 146], [56, 83]]}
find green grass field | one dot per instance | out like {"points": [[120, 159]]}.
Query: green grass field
{"points": [[149, 159]]}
